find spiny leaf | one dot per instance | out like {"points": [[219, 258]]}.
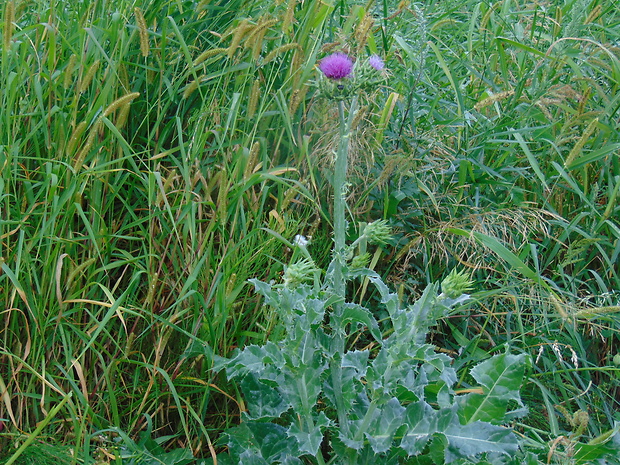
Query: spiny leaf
{"points": [[421, 420], [358, 360], [381, 432], [356, 314], [474, 438], [263, 402], [501, 377], [310, 441], [273, 441], [477, 438]]}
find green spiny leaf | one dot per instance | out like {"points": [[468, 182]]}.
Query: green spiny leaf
{"points": [[421, 420], [263, 401], [381, 432], [501, 377], [310, 441], [474, 438]]}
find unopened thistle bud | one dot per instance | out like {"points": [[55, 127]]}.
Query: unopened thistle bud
{"points": [[456, 284], [378, 232], [299, 272], [360, 261]]}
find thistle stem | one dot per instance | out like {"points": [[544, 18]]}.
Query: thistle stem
{"points": [[340, 230], [340, 192]]}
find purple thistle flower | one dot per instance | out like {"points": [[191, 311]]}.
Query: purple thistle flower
{"points": [[376, 62], [336, 66]]}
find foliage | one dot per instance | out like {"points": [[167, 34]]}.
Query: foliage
{"points": [[392, 400], [156, 155], [41, 453], [308, 395]]}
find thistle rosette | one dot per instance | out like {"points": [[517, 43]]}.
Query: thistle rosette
{"points": [[342, 77]]}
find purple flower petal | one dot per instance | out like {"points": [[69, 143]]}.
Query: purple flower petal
{"points": [[336, 66], [376, 62]]}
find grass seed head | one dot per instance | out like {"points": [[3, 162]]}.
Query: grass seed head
{"points": [[90, 74], [191, 88], [75, 138], [253, 100], [493, 99], [237, 35], [279, 51], [120, 102], [209, 54], [68, 75], [362, 31], [289, 16], [9, 20], [144, 34]]}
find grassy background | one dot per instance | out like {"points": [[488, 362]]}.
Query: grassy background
{"points": [[155, 155]]}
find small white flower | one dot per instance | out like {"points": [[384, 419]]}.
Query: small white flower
{"points": [[540, 352], [301, 241], [574, 358]]}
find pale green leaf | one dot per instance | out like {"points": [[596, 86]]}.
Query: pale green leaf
{"points": [[310, 440], [500, 378], [263, 401], [358, 360], [477, 438], [380, 434], [421, 420], [358, 315]]}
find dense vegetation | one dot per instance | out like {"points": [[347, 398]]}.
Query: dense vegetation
{"points": [[157, 155]]}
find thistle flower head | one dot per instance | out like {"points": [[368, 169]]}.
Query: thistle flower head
{"points": [[376, 62], [336, 66]]}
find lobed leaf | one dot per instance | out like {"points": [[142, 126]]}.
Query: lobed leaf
{"points": [[500, 377], [477, 438], [380, 434], [421, 420], [263, 401], [310, 441]]}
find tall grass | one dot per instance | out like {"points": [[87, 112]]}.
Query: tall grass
{"points": [[134, 209], [155, 155], [503, 158]]}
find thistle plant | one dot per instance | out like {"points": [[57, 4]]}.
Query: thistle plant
{"points": [[321, 396]]}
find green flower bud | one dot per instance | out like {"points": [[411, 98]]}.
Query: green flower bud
{"points": [[299, 272], [360, 261], [378, 232], [456, 284]]}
